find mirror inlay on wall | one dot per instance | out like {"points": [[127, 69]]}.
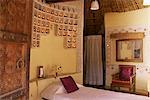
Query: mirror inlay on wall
{"points": [[129, 50]]}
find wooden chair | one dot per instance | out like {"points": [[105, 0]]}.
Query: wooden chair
{"points": [[125, 78]]}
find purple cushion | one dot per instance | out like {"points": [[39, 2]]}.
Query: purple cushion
{"points": [[125, 72], [69, 84]]}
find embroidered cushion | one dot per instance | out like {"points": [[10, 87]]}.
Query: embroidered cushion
{"points": [[125, 72], [69, 84]]}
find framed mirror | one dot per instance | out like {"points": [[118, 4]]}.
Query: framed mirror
{"points": [[129, 50]]}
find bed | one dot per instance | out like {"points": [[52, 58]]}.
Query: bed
{"points": [[86, 93], [57, 91]]}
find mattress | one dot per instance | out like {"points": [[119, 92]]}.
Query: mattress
{"points": [[87, 93]]}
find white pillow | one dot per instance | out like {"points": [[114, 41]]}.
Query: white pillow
{"points": [[61, 90], [50, 91], [79, 85]]}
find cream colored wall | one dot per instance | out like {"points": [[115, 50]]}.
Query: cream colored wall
{"points": [[131, 18], [133, 21], [52, 52]]}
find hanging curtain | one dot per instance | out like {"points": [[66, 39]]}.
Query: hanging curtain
{"points": [[93, 60]]}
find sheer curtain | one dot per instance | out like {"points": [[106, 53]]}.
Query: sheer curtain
{"points": [[93, 67]]}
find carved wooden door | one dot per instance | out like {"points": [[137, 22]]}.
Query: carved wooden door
{"points": [[13, 66], [15, 32]]}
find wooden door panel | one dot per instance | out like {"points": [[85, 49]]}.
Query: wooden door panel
{"points": [[15, 33], [13, 66]]}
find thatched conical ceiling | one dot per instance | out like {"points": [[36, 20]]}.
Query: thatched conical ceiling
{"points": [[120, 5], [94, 20]]}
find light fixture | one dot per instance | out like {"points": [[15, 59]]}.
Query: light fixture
{"points": [[94, 5], [146, 2]]}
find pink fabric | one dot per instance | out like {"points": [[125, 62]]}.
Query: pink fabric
{"points": [[69, 84], [125, 72]]}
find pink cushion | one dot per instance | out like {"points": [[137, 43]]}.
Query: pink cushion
{"points": [[125, 72], [69, 84]]}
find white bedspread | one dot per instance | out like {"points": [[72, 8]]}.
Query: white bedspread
{"points": [[85, 93]]}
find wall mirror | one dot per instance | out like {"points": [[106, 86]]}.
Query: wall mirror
{"points": [[129, 50]]}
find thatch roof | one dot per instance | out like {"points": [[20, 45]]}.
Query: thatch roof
{"points": [[94, 20], [118, 5], [121, 5]]}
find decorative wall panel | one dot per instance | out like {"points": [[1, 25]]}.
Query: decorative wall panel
{"points": [[62, 19]]}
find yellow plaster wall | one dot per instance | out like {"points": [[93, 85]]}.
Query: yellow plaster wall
{"points": [[131, 18], [138, 21], [52, 52]]}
